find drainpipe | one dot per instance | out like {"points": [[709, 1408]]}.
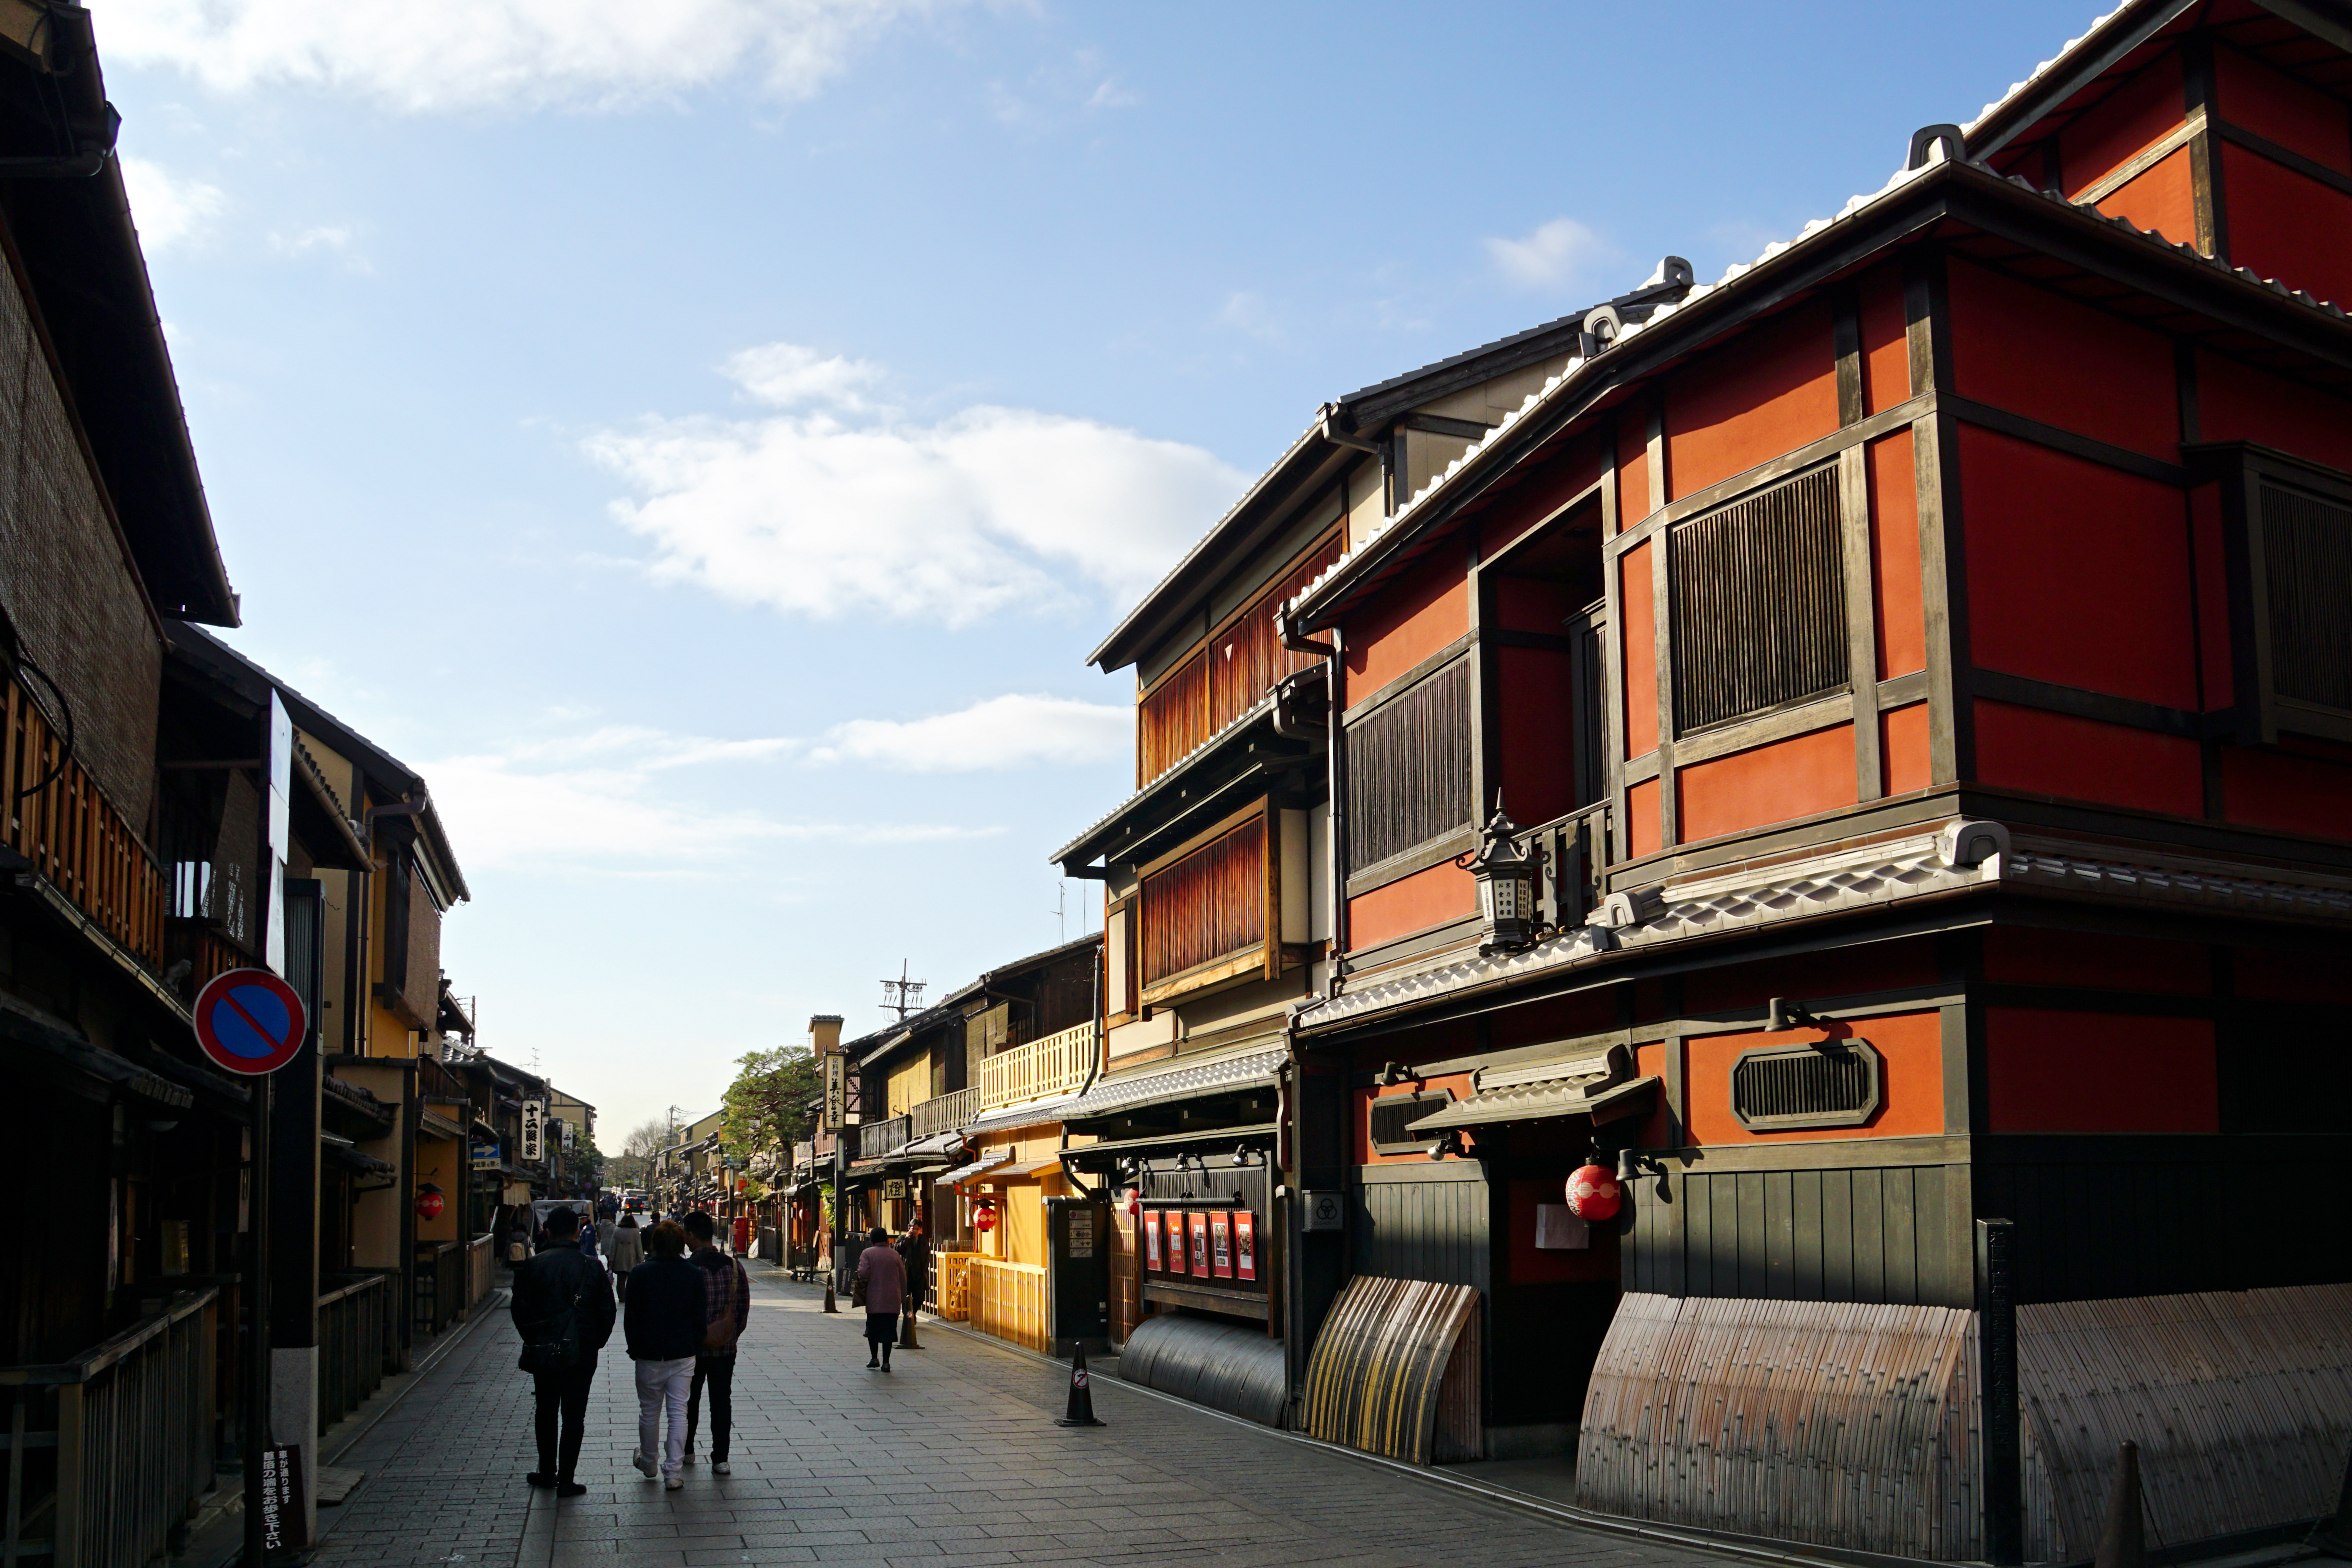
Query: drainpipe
{"points": [[1335, 756]]}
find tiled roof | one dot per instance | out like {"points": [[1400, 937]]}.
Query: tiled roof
{"points": [[1183, 1079]]}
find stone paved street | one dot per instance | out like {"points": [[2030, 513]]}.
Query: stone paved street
{"points": [[953, 1459]]}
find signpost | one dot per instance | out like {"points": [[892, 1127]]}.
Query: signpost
{"points": [[532, 1145], [251, 1023]]}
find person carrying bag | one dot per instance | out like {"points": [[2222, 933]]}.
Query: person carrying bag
{"points": [[727, 1305], [562, 1310]]}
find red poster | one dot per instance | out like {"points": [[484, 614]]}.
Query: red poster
{"points": [[1221, 1242], [1175, 1223], [1244, 1245], [1152, 1239], [1200, 1244]]}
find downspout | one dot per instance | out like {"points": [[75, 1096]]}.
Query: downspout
{"points": [[1334, 757], [1094, 1068]]}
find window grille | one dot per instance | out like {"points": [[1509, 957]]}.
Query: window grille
{"points": [[1409, 769], [1393, 1114], [1209, 905], [1833, 1084], [1758, 596], [2307, 568]]}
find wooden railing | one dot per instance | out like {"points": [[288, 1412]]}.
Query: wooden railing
{"points": [[74, 836], [481, 1270], [951, 1285], [1055, 1064], [1574, 849], [127, 1429], [943, 1113], [439, 1284], [1007, 1300], [355, 1346], [875, 1139]]}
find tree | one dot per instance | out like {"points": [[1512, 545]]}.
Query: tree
{"points": [[768, 1103], [634, 1162]]}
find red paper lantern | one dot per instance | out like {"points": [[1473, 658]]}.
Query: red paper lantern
{"points": [[428, 1202], [983, 1216], [1594, 1192]]}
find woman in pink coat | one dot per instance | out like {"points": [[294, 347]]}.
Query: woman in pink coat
{"points": [[883, 1273]]}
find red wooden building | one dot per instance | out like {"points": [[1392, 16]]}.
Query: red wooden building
{"points": [[1944, 624]]}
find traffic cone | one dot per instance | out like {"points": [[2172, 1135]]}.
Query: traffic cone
{"points": [[2334, 1536], [1082, 1396], [830, 1304], [907, 1340], [2122, 1542]]}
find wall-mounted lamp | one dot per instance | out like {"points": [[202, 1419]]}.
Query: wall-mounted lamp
{"points": [[1450, 1144], [1394, 1073], [1784, 1013], [1634, 1163]]}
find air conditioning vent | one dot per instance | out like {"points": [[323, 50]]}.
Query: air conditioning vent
{"points": [[1392, 1115], [1833, 1084]]}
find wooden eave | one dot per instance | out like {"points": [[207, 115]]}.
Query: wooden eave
{"points": [[1999, 222]]}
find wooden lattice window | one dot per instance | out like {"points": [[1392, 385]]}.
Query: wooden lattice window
{"points": [[1207, 906], [2287, 532], [2307, 570], [1393, 1114], [1759, 594], [1409, 769], [1833, 1084]]}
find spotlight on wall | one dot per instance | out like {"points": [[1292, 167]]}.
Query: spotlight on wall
{"points": [[1784, 1013], [1242, 1155], [1450, 1144]]}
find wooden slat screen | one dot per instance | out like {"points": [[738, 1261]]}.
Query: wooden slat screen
{"points": [[1758, 592], [2307, 570], [1231, 674], [1206, 905], [1409, 769]]}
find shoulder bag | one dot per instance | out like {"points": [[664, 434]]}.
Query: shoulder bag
{"points": [[556, 1347]]}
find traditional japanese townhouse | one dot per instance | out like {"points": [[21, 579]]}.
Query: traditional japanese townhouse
{"points": [[916, 1065], [1217, 870], [1923, 658]]}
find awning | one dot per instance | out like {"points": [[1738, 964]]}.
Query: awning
{"points": [[433, 1124], [20, 1023], [1095, 1156], [992, 1164], [1163, 1084], [1033, 1113], [338, 1151], [1593, 1084]]}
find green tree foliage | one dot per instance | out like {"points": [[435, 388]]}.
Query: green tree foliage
{"points": [[768, 1103]]}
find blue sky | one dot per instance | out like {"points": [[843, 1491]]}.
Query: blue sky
{"points": [[706, 438]]}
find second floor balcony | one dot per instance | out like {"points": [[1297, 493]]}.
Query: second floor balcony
{"points": [[1057, 1064]]}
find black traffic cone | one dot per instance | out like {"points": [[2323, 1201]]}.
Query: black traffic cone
{"points": [[907, 1340], [830, 1304], [1082, 1394], [2122, 1540], [2334, 1536]]}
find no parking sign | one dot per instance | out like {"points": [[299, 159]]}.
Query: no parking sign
{"points": [[250, 1022]]}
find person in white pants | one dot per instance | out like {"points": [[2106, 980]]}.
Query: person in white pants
{"points": [[664, 1322]]}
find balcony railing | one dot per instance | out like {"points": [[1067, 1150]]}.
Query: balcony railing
{"points": [[1574, 849], [107, 1451], [943, 1113], [56, 817], [1055, 1064], [875, 1139], [356, 1345]]}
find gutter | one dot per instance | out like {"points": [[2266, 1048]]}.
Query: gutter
{"points": [[1285, 631]]}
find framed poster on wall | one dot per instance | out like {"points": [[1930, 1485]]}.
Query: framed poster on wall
{"points": [[1174, 1242], [1244, 1245], [1221, 1243], [1199, 1227], [1151, 1239]]}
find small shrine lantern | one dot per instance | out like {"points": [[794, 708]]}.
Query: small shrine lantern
{"points": [[1506, 884]]}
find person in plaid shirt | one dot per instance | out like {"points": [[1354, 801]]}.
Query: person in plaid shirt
{"points": [[727, 1308]]}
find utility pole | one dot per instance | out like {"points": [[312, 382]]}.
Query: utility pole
{"points": [[1061, 911], [903, 995]]}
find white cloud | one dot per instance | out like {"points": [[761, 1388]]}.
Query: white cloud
{"points": [[167, 209], [1245, 310], [1561, 253], [327, 239], [593, 799], [425, 56], [1110, 95], [1008, 731], [838, 510], [787, 376]]}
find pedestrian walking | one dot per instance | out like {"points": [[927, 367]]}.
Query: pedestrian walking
{"points": [[727, 1306], [916, 1253], [663, 1321], [564, 1310], [881, 1284], [628, 1250]]}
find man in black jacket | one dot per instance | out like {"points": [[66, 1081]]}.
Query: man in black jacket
{"points": [[563, 1295], [664, 1325]]}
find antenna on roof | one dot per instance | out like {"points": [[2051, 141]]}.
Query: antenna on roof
{"points": [[903, 995], [1061, 911]]}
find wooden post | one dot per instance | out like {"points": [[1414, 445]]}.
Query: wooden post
{"points": [[2004, 1521]]}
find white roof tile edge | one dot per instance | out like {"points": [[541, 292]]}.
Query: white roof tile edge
{"points": [[1264, 705], [2017, 89]]}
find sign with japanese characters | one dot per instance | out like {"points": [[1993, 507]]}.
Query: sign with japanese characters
{"points": [[836, 1091], [530, 1148]]}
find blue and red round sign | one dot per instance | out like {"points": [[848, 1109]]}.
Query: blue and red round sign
{"points": [[249, 1021]]}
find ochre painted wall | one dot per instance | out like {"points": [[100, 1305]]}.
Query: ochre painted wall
{"points": [[1636, 602], [1911, 1080], [2287, 225], [2023, 955], [1904, 761], [2082, 759], [1771, 391], [2309, 790], [1430, 897], [2133, 117], [1885, 338], [1902, 628], [2048, 1071], [1427, 608], [1791, 778], [2237, 403], [2038, 353]]}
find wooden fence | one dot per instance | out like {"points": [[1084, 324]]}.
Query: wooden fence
{"points": [[1007, 1300], [356, 1344]]}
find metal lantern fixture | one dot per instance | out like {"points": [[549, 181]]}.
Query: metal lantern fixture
{"points": [[1506, 884]]}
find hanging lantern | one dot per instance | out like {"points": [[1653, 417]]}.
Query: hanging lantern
{"points": [[428, 1202], [1506, 884], [983, 1216], [1593, 1194]]}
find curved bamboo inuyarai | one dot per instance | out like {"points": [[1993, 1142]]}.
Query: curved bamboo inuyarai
{"points": [[1379, 1373]]}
